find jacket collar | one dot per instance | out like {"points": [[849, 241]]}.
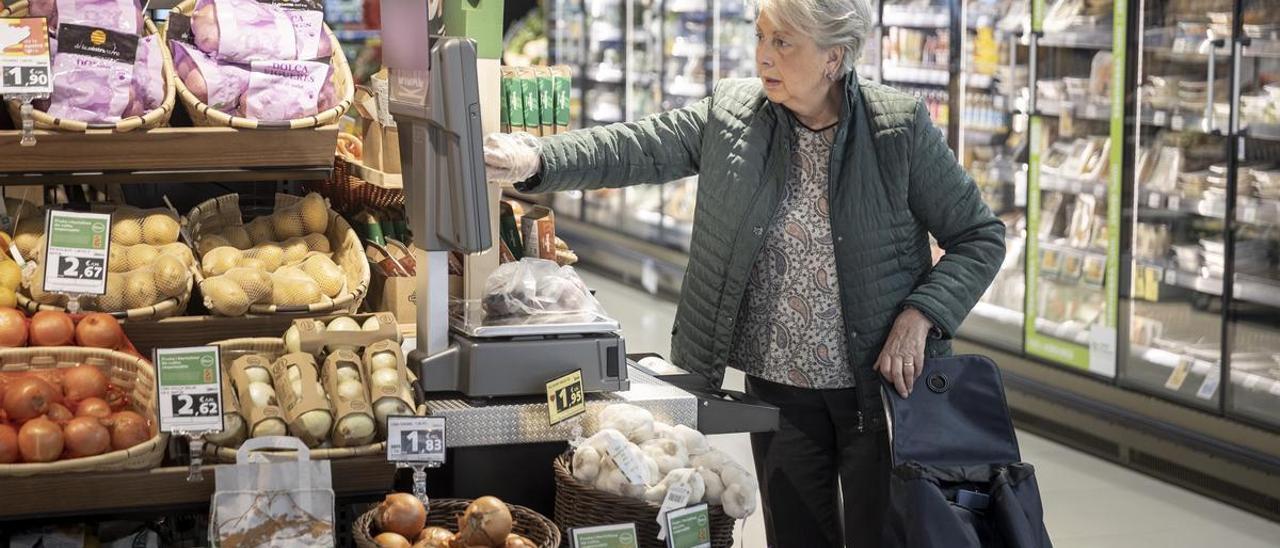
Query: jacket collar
{"points": [[852, 99]]}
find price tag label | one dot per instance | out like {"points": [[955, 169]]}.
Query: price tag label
{"points": [[1152, 276], [628, 461], [689, 527], [1209, 387], [24, 56], [1251, 381], [1177, 122], [1160, 118], [1175, 202], [565, 398], [76, 252], [1102, 350], [415, 439], [189, 389], [1179, 375], [622, 535]]}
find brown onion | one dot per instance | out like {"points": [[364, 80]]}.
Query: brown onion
{"points": [[27, 398], [13, 328], [434, 537], [8, 444], [59, 413], [487, 522], [40, 440], [84, 381], [128, 429], [93, 407], [86, 437], [517, 541], [100, 330], [391, 540], [403, 514], [52, 328]]}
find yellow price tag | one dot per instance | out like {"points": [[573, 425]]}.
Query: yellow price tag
{"points": [[565, 398], [1152, 276]]}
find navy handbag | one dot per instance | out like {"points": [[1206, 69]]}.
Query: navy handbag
{"points": [[958, 480]]}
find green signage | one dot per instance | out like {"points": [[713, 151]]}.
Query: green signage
{"points": [[187, 368], [189, 389], [622, 535], [689, 527], [78, 232]]}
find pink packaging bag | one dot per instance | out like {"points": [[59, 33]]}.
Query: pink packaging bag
{"points": [[284, 90], [218, 85], [243, 31], [92, 74], [148, 77], [307, 17], [118, 15]]}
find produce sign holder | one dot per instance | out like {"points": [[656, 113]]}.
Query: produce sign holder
{"points": [[132, 374], [75, 254], [445, 513], [417, 443], [189, 384]]}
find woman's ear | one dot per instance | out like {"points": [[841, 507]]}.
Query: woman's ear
{"points": [[835, 58]]}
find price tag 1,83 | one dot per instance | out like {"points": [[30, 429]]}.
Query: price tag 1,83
{"points": [[565, 398], [189, 387], [76, 251], [415, 440], [24, 57]]}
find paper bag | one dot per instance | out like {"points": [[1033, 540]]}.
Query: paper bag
{"points": [[283, 500]]}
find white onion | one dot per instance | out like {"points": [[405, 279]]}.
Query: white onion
{"points": [[354, 429], [296, 387], [232, 431], [371, 324], [384, 360], [294, 373], [387, 407], [262, 394], [348, 374], [270, 427], [343, 324], [293, 339], [350, 390], [258, 375], [385, 377], [317, 423]]}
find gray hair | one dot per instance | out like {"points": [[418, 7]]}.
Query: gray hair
{"points": [[843, 24]]}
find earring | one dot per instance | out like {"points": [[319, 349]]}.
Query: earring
{"points": [[831, 76]]}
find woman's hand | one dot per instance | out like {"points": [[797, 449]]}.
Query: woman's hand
{"points": [[902, 358], [511, 157]]}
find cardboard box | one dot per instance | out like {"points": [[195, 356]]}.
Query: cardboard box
{"points": [[539, 227], [392, 398], [314, 338], [311, 398], [256, 416], [349, 413]]}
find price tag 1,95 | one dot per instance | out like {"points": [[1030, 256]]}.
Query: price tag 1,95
{"points": [[189, 387], [24, 57], [416, 440], [565, 398], [76, 251]]}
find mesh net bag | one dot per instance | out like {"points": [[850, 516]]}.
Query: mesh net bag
{"points": [[231, 293], [132, 226], [138, 276], [291, 286]]}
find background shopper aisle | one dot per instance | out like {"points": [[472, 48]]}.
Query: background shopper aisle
{"points": [[1088, 502]]}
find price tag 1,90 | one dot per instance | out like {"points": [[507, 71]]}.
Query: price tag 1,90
{"points": [[24, 57], [565, 398], [189, 387], [76, 251], [689, 527], [417, 440]]}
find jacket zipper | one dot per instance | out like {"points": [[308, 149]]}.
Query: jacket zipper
{"points": [[842, 135], [777, 205]]}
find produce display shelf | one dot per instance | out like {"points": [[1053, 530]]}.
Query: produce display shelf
{"points": [[932, 76], [203, 154], [1062, 183], [1096, 39], [382, 179], [166, 488], [895, 16], [1267, 132], [1248, 288], [1199, 367]]}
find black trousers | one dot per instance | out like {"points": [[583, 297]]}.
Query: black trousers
{"points": [[816, 456]]}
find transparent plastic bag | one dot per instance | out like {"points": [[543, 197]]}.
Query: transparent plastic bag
{"points": [[531, 287]]}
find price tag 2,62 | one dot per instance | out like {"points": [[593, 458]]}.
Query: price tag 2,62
{"points": [[565, 398], [24, 57], [76, 251], [189, 389]]}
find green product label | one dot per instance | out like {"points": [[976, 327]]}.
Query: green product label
{"points": [[608, 536], [561, 85], [78, 233], [546, 99], [1037, 15], [187, 368], [1032, 254], [532, 110], [504, 111], [515, 104], [689, 528], [1059, 351], [1119, 45]]}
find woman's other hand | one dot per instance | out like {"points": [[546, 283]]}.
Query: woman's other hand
{"points": [[511, 157], [902, 358]]}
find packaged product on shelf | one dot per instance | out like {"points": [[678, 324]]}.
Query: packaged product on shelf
{"points": [[546, 100], [92, 74], [285, 90], [561, 83], [243, 31], [504, 109], [533, 287], [178, 29], [313, 336], [354, 422], [539, 226], [251, 376], [234, 429], [509, 230], [307, 17], [306, 408], [219, 85], [124, 16], [388, 375], [514, 97], [529, 95], [148, 77]]}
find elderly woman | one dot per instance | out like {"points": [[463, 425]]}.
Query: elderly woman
{"points": [[810, 266]]}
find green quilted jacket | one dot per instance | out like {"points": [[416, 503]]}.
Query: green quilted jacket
{"points": [[893, 181]]}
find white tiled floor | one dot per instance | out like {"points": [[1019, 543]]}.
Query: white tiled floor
{"points": [[1089, 503]]}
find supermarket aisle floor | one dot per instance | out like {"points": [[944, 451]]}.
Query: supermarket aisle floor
{"points": [[1089, 503]]}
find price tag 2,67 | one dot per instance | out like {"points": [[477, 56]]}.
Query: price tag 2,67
{"points": [[565, 398], [416, 440], [24, 57], [76, 251]]}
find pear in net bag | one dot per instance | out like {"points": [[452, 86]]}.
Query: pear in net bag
{"points": [[231, 293], [165, 278], [132, 226], [298, 218]]}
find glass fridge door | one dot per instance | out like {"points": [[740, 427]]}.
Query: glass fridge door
{"points": [[1254, 314], [642, 204], [1074, 182], [1179, 194], [604, 94], [994, 152], [915, 53]]}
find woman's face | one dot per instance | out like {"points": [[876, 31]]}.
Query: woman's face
{"points": [[792, 67]]}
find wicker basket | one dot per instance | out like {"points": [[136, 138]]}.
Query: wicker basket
{"points": [[272, 349], [580, 505], [203, 115], [151, 119], [222, 212], [445, 513], [349, 193], [134, 375]]}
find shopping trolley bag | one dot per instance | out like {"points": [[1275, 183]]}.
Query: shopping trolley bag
{"points": [[958, 480], [278, 499]]}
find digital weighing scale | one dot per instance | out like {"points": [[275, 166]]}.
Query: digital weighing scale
{"points": [[435, 102]]}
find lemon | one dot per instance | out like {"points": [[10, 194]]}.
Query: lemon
{"points": [[10, 275]]}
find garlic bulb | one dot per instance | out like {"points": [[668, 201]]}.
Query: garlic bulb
{"points": [[636, 423], [586, 464], [383, 360], [714, 486]]}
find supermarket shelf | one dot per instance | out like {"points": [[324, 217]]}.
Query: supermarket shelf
{"points": [[985, 136], [1263, 48], [1247, 288], [173, 155], [1268, 132], [1178, 121], [356, 35], [994, 325], [929, 76], [895, 16], [1095, 39], [1244, 379], [1063, 183], [1087, 111], [45, 496]]}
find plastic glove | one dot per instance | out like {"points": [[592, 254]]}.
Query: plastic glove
{"points": [[511, 157]]}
